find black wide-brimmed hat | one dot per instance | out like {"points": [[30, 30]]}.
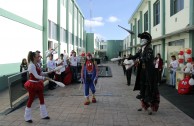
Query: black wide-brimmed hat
{"points": [[145, 35]]}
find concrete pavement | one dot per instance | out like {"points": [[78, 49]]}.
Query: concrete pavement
{"points": [[116, 106]]}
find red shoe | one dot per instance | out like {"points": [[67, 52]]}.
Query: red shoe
{"points": [[87, 102], [93, 100]]}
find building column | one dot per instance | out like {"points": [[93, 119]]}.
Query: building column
{"points": [[163, 27], [149, 16], [67, 25], [45, 29], [59, 25], [141, 20], [191, 22], [135, 33], [73, 24]]}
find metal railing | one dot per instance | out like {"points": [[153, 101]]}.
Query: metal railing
{"points": [[15, 85]]}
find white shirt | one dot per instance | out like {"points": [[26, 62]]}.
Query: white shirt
{"points": [[59, 61], [157, 63], [65, 56], [51, 65], [174, 65], [73, 61], [32, 69], [65, 61]]}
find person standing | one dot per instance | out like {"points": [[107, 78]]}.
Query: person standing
{"points": [[159, 68], [24, 67], [51, 65], [73, 64], [173, 66], [89, 77], [145, 79], [35, 87], [61, 72], [124, 69], [128, 73]]}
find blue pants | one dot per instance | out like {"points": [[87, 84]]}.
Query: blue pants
{"points": [[88, 85], [173, 78]]}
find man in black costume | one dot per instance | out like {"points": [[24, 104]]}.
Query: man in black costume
{"points": [[145, 79]]}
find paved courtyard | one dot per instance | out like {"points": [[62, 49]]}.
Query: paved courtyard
{"points": [[116, 106]]}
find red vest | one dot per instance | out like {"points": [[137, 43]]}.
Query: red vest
{"points": [[32, 76]]}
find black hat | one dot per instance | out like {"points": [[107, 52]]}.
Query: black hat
{"points": [[145, 35]]}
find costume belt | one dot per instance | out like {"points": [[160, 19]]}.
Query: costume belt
{"points": [[34, 81]]}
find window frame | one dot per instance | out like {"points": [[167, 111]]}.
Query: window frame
{"points": [[156, 12], [176, 6], [146, 23]]}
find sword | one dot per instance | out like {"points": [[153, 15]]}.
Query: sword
{"points": [[130, 32]]}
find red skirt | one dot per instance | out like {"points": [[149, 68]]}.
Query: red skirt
{"points": [[34, 85]]}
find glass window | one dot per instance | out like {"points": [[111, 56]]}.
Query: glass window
{"points": [[176, 6], [139, 26], [157, 49], [177, 43], [49, 28], [156, 12], [146, 21], [54, 31]]}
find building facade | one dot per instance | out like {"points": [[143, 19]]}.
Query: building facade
{"points": [[170, 22], [38, 25]]}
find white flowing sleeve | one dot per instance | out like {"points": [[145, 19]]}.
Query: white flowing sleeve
{"points": [[32, 69]]}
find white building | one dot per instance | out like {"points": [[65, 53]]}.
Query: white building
{"points": [[170, 22], [30, 25]]}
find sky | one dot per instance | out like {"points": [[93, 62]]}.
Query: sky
{"points": [[106, 15]]}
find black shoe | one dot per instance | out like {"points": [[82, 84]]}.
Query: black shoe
{"points": [[29, 121], [149, 113], [140, 109], [46, 117], [139, 97]]}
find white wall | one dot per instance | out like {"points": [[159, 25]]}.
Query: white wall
{"points": [[171, 24], [63, 47], [52, 10], [28, 9], [70, 23], [70, 48], [75, 21], [79, 25], [63, 17], [17, 40]]}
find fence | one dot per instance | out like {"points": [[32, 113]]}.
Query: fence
{"points": [[15, 85]]}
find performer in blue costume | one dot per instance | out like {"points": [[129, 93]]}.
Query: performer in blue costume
{"points": [[89, 76]]}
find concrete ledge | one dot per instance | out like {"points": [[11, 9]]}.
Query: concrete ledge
{"points": [[18, 103]]}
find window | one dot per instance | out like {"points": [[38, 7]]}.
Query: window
{"points": [[133, 36], [177, 43], [52, 30], [156, 12], [63, 35], [176, 6], [146, 21], [50, 45], [139, 26], [157, 49]]}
